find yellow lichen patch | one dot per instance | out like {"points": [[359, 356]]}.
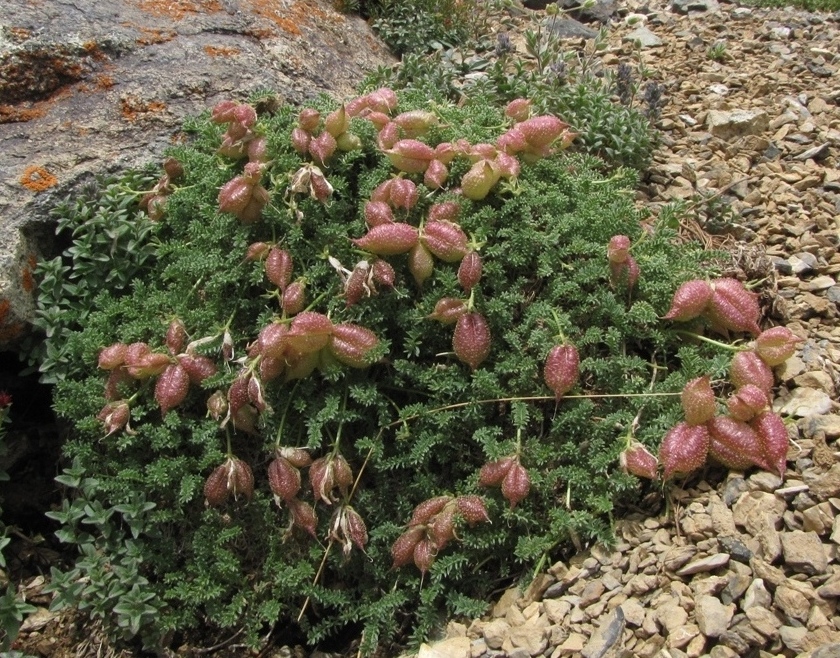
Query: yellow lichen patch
{"points": [[14, 114], [221, 51], [153, 36], [104, 81], [133, 108], [177, 9], [37, 179]]}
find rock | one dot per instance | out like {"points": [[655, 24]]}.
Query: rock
{"points": [[86, 76], [827, 651], [736, 123], [644, 37], [608, 636], [756, 596], [793, 637], [705, 564], [686, 6], [803, 402], [792, 602], [712, 616], [803, 552], [454, 647], [495, 633], [568, 28], [527, 637]]}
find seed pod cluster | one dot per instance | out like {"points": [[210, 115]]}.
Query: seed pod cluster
{"points": [[509, 474], [432, 526], [725, 303]]}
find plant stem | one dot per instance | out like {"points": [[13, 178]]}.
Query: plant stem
{"points": [[716, 343]]}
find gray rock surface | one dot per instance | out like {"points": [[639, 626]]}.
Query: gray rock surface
{"points": [[93, 87]]}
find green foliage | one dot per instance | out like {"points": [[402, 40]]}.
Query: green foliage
{"points": [[154, 559], [420, 26], [809, 5], [612, 116], [717, 52]]}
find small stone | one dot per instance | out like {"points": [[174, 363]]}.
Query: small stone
{"points": [[793, 637], [527, 637], [709, 563], [765, 622], [496, 632], [634, 612], [671, 616], [591, 593], [803, 552], [455, 647], [682, 636], [803, 262], [831, 588], [756, 596], [572, 644], [736, 123], [792, 602], [644, 37], [712, 616], [737, 549], [827, 651], [803, 402], [556, 610], [607, 636]]}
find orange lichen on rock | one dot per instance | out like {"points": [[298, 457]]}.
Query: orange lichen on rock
{"points": [[37, 179], [15, 114], [275, 13], [104, 81], [27, 278], [221, 51], [133, 108], [177, 9], [152, 36]]}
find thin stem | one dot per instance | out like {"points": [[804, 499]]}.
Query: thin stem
{"points": [[286, 413], [716, 343], [529, 398]]}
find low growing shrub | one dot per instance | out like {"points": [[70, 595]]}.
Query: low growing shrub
{"points": [[375, 362]]}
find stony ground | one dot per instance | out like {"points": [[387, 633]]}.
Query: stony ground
{"points": [[736, 564]]}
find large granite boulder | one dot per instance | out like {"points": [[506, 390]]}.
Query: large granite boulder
{"points": [[93, 87]]}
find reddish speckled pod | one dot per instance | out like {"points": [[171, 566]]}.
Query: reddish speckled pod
{"points": [[356, 286], [448, 310], [508, 165], [294, 298], [471, 340], [435, 175], [445, 211], [148, 365], [511, 142], [542, 131], [217, 406], [271, 341], [309, 332], [115, 416], [216, 486], [198, 368], [283, 478], [684, 449], [618, 249], [223, 111], [383, 273], [442, 528], [690, 301], [626, 272], [472, 509], [300, 141], [748, 368], [257, 251], [321, 479], [469, 271], [308, 119], [356, 529], [388, 136], [237, 394], [516, 484], [773, 436], [271, 368], [698, 401], [382, 192], [116, 378], [424, 555], [378, 213], [241, 478], [176, 336], [733, 307], [747, 402], [278, 267], [410, 155], [735, 444], [112, 356], [492, 473], [519, 109], [353, 345], [257, 150], [297, 457], [445, 240], [424, 512], [776, 345], [403, 193], [421, 264], [303, 515], [388, 239], [416, 123], [639, 461], [562, 369], [402, 551], [322, 148]]}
